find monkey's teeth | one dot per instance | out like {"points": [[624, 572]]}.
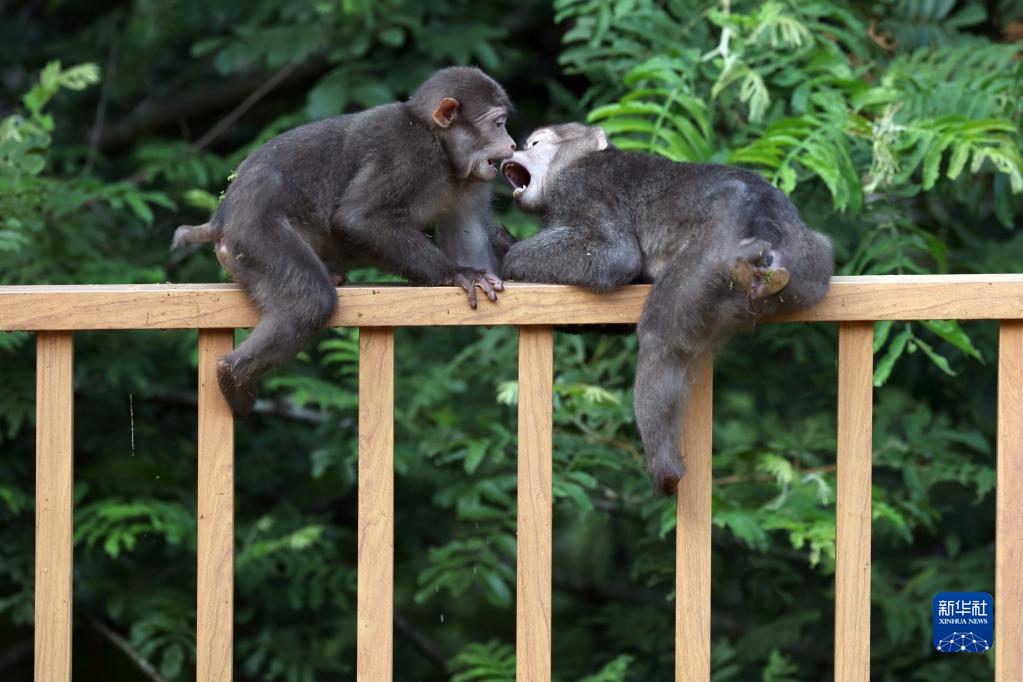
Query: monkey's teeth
{"points": [[517, 191]]}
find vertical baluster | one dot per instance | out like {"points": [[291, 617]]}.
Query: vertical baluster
{"points": [[1009, 521], [54, 506], [535, 519], [692, 532], [376, 505], [215, 500], [853, 513]]}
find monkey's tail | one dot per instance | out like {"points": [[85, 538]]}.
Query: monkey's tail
{"points": [[195, 234]]}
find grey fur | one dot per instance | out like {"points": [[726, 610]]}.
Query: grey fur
{"points": [[359, 189], [721, 246]]}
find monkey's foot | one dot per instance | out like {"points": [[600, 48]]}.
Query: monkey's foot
{"points": [[759, 271], [338, 279], [240, 397], [666, 472], [470, 278]]}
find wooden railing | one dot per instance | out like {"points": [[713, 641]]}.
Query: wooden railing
{"points": [[54, 312]]}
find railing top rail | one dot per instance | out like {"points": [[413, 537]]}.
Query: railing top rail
{"points": [[209, 306]]}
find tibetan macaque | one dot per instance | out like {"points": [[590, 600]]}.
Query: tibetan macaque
{"points": [[359, 189], [721, 246]]}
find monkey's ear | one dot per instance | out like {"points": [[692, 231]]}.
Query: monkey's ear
{"points": [[601, 137], [446, 112]]}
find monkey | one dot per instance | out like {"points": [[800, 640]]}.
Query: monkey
{"points": [[720, 245], [359, 189]]}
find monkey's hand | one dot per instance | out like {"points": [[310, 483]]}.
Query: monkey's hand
{"points": [[501, 240], [470, 278]]}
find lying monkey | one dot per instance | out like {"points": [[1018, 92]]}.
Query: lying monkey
{"points": [[721, 246], [359, 189]]}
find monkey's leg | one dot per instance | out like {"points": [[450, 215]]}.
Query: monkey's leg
{"points": [[690, 309], [293, 289], [661, 391]]}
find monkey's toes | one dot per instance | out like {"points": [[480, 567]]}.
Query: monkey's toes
{"points": [[770, 282], [240, 397], [666, 472], [759, 274]]}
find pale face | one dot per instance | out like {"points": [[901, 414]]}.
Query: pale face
{"points": [[545, 152]]}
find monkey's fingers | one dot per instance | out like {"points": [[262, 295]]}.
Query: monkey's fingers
{"points": [[494, 280], [467, 282], [483, 281]]}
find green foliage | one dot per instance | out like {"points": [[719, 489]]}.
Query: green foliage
{"points": [[893, 126], [490, 662], [24, 144], [802, 92]]}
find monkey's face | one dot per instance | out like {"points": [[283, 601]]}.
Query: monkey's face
{"points": [[546, 152], [476, 146]]}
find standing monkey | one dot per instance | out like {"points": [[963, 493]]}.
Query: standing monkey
{"points": [[359, 189], [721, 246]]}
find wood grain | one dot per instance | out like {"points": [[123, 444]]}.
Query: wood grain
{"points": [[535, 515], [853, 510], [692, 532], [1009, 504], [375, 601], [214, 630], [54, 506], [205, 306]]}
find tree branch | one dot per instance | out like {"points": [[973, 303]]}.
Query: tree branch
{"points": [[101, 108], [124, 645], [277, 408], [743, 478], [152, 114], [15, 652], [605, 593], [249, 102], [423, 643]]}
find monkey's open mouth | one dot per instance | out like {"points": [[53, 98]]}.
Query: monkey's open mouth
{"points": [[517, 176]]}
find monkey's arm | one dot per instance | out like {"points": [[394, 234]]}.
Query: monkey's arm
{"points": [[464, 232], [597, 259], [398, 247]]}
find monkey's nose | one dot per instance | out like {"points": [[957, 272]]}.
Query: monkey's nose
{"points": [[513, 146]]}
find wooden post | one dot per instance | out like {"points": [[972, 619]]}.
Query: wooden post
{"points": [[54, 505], [1009, 504], [535, 516], [853, 511], [214, 631], [375, 600], [692, 531]]}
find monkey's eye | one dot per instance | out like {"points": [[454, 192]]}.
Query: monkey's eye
{"points": [[499, 123]]}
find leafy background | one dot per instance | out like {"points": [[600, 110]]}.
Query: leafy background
{"points": [[894, 126]]}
